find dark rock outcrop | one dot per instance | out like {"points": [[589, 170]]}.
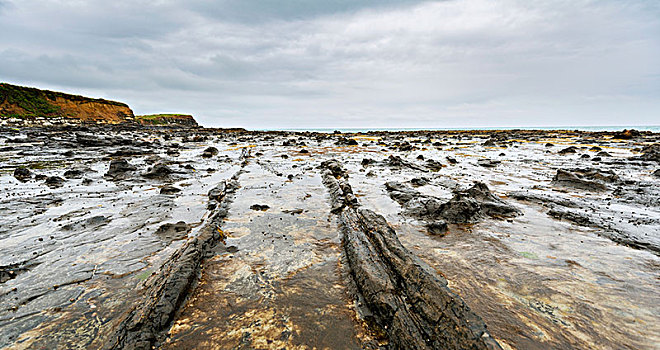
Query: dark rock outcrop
{"points": [[119, 168], [22, 174], [158, 171], [585, 179], [406, 300], [464, 207], [167, 289], [210, 152]]}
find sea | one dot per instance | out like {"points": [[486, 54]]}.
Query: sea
{"points": [[653, 128]]}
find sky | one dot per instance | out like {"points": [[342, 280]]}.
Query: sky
{"points": [[278, 64]]}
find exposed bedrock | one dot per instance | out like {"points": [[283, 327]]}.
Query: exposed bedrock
{"points": [[585, 179], [405, 298], [465, 206], [167, 289]]}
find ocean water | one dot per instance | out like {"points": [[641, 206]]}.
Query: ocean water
{"points": [[653, 128]]}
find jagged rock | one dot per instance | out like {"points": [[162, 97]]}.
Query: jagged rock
{"points": [[489, 143], [259, 207], [586, 179], [651, 152], [433, 165], [488, 163], [119, 168], [210, 152], [74, 173], [167, 289], [464, 207], [54, 181], [129, 151], [438, 227], [626, 134], [367, 161], [567, 150], [419, 181], [169, 189], [92, 141], [405, 299], [158, 171], [22, 174], [398, 162]]}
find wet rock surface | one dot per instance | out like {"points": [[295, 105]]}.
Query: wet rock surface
{"points": [[408, 302], [94, 254], [465, 206]]}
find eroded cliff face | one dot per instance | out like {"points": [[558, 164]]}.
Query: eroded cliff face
{"points": [[31, 105], [166, 119]]}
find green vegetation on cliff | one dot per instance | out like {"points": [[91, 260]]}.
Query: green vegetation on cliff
{"points": [[22, 102], [33, 101], [166, 119]]}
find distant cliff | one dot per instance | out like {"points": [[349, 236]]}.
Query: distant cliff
{"points": [[34, 106], [166, 119]]}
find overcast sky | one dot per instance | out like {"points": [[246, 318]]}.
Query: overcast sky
{"points": [[347, 63]]}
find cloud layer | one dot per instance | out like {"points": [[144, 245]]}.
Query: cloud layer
{"points": [[307, 63]]}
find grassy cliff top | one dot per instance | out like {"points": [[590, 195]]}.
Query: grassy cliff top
{"points": [[159, 116], [37, 101]]}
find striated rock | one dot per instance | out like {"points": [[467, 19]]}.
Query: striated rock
{"points": [[92, 140], [130, 151], [406, 300], [464, 207], [171, 231], [398, 162], [166, 290], [586, 179]]}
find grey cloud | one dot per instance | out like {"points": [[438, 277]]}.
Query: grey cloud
{"points": [[360, 63], [256, 11]]}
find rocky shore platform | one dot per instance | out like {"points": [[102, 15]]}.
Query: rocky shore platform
{"points": [[179, 237]]}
